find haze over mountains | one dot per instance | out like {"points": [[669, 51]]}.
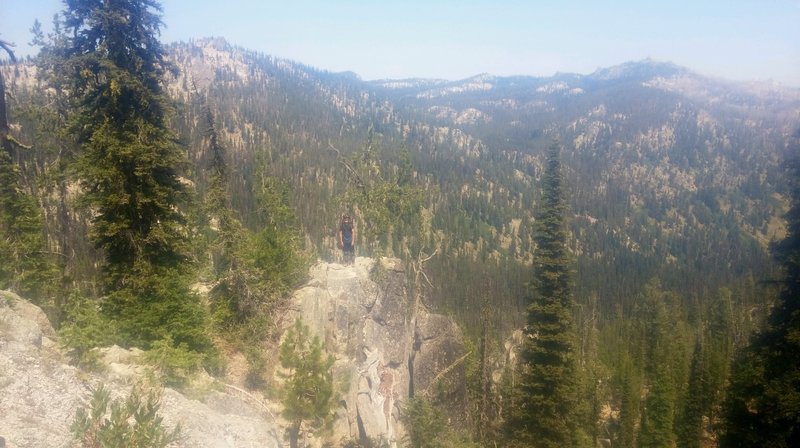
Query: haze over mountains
{"points": [[669, 172], [675, 183]]}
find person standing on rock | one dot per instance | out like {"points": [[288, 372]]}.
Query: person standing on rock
{"points": [[347, 239]]}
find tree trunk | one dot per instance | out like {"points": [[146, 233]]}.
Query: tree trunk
{"points": [[4, 142], [294, 434]]}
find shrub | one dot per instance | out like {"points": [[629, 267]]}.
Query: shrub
{"points": [[426, 427], [83, 329], [175, 362], [133, 422]]}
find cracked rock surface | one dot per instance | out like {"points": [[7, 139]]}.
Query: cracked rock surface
{"points": [[371, 327]]}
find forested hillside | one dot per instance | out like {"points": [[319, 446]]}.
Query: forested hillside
{"points": [[674, 186], [670, 174]]}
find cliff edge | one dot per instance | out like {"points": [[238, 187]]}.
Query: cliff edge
{"points": [[386, 348]]}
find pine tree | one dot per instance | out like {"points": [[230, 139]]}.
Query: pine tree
{"points": [[689, 427], [629, 405], [548, 384], [128, 166], [309, 382], [109, 59], [385, 197], [426, 425], [762, 408], [658, 414], [23, 264]]}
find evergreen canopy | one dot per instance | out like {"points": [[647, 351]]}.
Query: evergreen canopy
{"points": [[107, 57], [549, 386], [762, 408]]}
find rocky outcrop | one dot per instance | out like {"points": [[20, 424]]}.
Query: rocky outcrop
{"points": [[384, 347], [39, 392]]}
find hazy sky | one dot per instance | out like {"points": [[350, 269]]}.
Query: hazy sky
{"points": [[734, 39]]}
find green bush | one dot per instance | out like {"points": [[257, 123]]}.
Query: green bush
{"points": [[426, 427], [130, 423], [366, 443], [175, 362], [257, 365], [83, 329], [157, 304]]}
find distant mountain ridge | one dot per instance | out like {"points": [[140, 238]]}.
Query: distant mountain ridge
{"points": [[681, 148], [670, 173], [675, 186]]}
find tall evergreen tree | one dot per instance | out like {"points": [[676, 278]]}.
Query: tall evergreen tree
{"points": [[548, 384], [658, 414], [128, 162], [254, 270], [689, 426], [629, 404], [762, 408], [109, 59]]}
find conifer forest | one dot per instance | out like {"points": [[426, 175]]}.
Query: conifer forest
{"points": [[621, 249]]}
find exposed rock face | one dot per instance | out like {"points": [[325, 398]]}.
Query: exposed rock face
{"points": [[383, 347], [385, 350], [39, 392]]}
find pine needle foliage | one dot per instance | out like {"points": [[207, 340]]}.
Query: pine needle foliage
{"points": [[385, 196], [83, 329], [308, 390], [110, 61], [128, 166], [548, 389], [130, 423], [689, 425], [762, 407], [254, 270], [24, 265], [660, 360], [425, 424], [428, 428]]}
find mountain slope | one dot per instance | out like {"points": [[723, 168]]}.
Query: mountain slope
{"points": [[675, 185], [670, 173]]}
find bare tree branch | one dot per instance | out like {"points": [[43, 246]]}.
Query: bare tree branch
{"points": [[7, 46], [444, 372], [351, 171]]}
